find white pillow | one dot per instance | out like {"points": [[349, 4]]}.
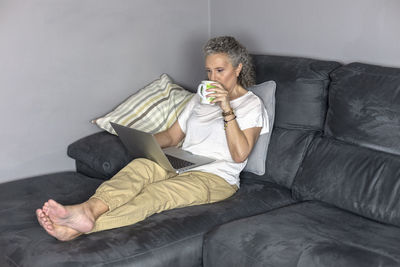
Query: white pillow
{"points": [[152, 109], [258, 156]]}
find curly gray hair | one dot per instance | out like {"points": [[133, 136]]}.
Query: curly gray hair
{"points": [[237, 54]]}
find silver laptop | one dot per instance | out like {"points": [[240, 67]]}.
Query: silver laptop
{"points": [[144, 145]]}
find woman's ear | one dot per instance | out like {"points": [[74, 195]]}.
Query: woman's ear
{"points": [[239, 69]]}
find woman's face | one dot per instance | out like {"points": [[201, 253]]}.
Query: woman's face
{"points": [[220, 69]]}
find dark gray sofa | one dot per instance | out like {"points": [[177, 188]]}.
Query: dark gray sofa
{"points": [[329, 197]]}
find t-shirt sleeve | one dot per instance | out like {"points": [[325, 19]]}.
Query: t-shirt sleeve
{"points": [[254, 115], [185, 114]]}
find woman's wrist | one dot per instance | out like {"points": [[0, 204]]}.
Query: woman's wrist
{"points": [[227, 112], [229, 117], [227, 120]]}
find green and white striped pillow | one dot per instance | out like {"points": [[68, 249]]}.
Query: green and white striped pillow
{"points": [[152, 109]]}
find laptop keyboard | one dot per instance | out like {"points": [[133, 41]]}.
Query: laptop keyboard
{"points": [[178, 163]]}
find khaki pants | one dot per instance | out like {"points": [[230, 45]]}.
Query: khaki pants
{"points": [[143, 188]]}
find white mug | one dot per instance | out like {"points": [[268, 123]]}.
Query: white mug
{"points": [[201, 91]]}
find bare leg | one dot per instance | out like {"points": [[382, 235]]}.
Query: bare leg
{"points": [[68, 222]]}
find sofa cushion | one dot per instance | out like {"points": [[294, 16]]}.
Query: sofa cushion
{"points": [[365, 106], [256, 162], [354, 178], [308, 234], [152, 109], [100, 155], [171, 238], [301, 94]]}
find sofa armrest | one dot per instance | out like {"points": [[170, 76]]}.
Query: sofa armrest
{"points": [[100, 155]]}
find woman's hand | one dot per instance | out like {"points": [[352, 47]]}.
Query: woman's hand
{"points": [[221, 96]]}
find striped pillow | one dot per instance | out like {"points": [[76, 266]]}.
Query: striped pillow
{"points": [[152, 109]]}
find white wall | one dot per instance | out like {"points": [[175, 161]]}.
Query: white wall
{"points": [[342, 30], [65, 62]]}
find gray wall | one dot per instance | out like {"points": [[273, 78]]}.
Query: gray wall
{"points": [[343, 30], [65, 62]]}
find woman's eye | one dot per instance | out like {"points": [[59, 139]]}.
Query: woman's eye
{"points": [[220, 70]]}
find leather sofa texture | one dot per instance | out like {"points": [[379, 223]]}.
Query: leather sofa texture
{"points": [[330, 195]]}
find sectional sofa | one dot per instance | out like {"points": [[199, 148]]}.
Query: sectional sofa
{"points": [[330, 195]]}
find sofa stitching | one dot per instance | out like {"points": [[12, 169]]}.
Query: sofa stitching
{"points": [[11, 261], [303, 155], [352, 67], [151, 250], [240, 252]]}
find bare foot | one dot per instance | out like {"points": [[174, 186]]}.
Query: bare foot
{"points": [[77, 217], [62, 233]]}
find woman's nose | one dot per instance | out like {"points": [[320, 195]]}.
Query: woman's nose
{"points": [[212, 76]]}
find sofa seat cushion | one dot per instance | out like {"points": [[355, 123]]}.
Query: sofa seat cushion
{"points": [[172, 238], [303, 235], [19, 199]]}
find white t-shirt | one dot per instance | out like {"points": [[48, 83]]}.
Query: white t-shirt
{"points": [[203, 126]]}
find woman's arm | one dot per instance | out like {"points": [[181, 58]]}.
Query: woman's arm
{"points": [[240, 142], [170, 137]]}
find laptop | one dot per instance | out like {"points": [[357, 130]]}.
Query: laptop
{"points": [[144, 145]]}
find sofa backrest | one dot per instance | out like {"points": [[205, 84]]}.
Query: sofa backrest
{"points": [[355, 165], [300, 110]]}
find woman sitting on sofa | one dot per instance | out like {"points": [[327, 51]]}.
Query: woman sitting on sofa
{"points": [[225, 131]]}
